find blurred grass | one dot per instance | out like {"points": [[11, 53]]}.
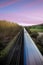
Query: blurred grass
{"points": [[5, 51], [8, 31], [40, 48]]}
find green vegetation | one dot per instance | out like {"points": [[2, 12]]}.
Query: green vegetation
{"points": [[38, 28], [5, 51], [34, 34], [37, 38], [7, 32], [40, 48]]}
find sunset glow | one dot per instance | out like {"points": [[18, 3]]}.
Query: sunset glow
{"points": [[23, 12]]}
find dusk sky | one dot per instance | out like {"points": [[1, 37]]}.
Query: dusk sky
{"points": [[24, 12]]}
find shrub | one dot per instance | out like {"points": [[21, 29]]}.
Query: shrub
{"points": [[34, 34], [40, 39], [28, 30]]}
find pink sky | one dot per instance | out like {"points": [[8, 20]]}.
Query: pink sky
{"points": [[22, 13], [35, 17]]}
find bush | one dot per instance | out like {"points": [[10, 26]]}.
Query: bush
{"points": [[28, 30], [34, 34], [40, 39]]}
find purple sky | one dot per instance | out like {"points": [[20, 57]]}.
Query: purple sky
{"points": [[25, 12]]}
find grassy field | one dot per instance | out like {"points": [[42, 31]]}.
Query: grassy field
{"points": [[38, 30], [37, 38], [7, 32]]}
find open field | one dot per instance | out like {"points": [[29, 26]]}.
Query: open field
{"points": [[38, 30]]}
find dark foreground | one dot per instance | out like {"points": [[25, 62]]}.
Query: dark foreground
{"points": [[23, 52]]}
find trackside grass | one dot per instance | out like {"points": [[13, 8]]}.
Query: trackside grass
{"points": [[5, 51]]}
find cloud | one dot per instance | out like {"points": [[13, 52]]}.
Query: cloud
{"points": [[4, 4]]}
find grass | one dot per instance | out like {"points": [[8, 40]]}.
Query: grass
{"points": [[40, 48], [38, 30], [8, 31], [5, 51]]}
